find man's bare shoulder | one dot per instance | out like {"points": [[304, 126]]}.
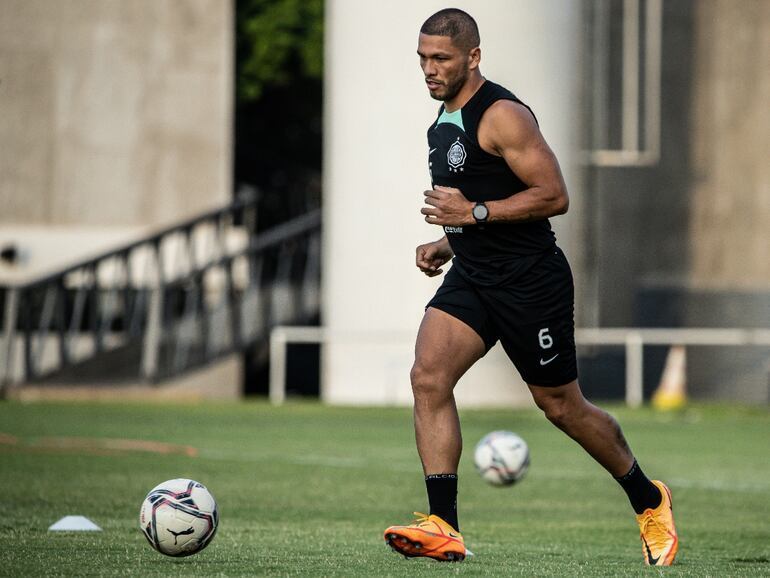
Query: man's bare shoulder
{"points": [[506, 123], [511, 111]]}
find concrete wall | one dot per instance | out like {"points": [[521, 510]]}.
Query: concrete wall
{"points": [[730, 221], [377, 112], [114, 112], [685, 242]]}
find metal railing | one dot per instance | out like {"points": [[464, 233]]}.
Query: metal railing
{"points": [[176, 300], [633, 339]]}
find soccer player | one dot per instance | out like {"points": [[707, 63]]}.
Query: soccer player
{"points": [[495, 184]]}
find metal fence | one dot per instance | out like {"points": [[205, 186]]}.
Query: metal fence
{"points": [[173, 301], [633, 339]]}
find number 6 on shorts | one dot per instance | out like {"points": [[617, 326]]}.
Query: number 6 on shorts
{"points": [[546, 341]]}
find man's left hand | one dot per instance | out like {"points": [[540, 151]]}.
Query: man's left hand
{"points": [[447, 206]]}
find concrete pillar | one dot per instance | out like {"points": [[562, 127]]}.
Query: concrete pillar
{"points": [[377, 113]]}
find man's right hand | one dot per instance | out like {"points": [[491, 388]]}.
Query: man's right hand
{"points": [[431, 256]]}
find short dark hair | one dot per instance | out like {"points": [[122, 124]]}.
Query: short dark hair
{"points": [[458, 25]]}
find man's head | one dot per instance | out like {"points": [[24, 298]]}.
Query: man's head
{"points": [[458, 25], [449, 51]]}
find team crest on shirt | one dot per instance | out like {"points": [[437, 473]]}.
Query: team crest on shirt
{"points": [[456, 156]]}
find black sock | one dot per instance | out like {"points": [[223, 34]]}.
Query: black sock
{"points": [[642, 493], [442, 497]]}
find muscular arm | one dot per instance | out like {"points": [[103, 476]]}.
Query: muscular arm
{"points": [[509, 130]]}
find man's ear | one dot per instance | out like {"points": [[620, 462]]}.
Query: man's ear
{"points": [[474, 58]]}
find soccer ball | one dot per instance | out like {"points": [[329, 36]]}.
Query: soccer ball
{"points": [[179, 517], [501, 458]]}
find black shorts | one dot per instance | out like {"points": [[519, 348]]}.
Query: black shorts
{"points": [[532, 316]]}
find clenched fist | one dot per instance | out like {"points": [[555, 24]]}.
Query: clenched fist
{"points": [[431, 256]]}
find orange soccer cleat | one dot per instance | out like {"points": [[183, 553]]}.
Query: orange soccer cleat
{"points": [[429, 536], [658, 533]]}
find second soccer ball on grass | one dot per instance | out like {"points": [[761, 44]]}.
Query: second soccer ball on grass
{"points": [[501, 458]]}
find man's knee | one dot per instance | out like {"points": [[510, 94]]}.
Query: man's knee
{"points": [[429, 382], [560, 409], [554, 409]]}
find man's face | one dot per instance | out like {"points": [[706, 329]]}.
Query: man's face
{"points": [[445, 66]]}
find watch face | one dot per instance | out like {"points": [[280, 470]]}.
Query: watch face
{"points": [[480, 212]]}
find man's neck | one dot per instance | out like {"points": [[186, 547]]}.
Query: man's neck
{"points": [[474, 82]]}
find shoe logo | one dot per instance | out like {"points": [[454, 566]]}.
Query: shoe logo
{"points": [[547, 361], [451, 535], [650, 559], [431, 151]]}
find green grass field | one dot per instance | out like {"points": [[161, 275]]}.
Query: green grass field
{"points": [[306, 490]]}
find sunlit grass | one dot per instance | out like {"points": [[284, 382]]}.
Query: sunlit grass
{"points": [[306, 490]]}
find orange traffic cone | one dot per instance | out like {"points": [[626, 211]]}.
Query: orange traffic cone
{"points": [[672, 390]]}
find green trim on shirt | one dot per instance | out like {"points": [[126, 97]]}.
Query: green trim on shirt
{"points": [[455, 118]]}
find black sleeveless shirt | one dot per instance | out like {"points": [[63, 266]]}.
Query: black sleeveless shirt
{"points": [[494, 252]]}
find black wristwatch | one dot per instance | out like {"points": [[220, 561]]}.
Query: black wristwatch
{"points": [[480, 213]]}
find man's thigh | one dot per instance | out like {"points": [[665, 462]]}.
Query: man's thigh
{"points": [[445, 349], [462, 301]]}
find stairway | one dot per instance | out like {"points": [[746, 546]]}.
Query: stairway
{"points": [[173, 301]]}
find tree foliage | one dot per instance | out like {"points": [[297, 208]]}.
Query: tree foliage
{"points": [[277, 41]]}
